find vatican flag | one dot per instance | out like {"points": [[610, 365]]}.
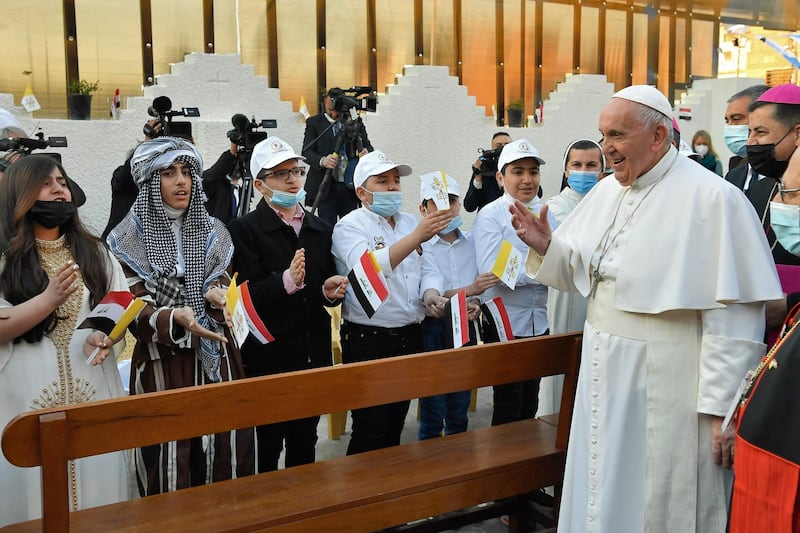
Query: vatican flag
{"points": [[29, 101], [303, 108]]}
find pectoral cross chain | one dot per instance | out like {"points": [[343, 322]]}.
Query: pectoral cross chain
{"points": [[596, 278]]}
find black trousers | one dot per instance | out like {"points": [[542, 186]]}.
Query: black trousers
{"points": [[379, 426], [300, 437]]}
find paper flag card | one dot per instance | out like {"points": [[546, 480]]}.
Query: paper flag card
{"points": [[494, 311], [368, 283], [457, 307], [243, 314], [240, 329], [113, 314], [439, 186], [508, 264], [254, 322]]}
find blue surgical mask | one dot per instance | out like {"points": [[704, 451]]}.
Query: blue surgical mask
{"points": [[286, 199], [386, 203], [581, 181], [785, 222], [736, 138], [454, 224]]}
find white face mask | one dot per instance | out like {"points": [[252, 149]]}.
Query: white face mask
{"points": [[701, 149]]}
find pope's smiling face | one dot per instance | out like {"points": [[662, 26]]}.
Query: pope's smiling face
{"points": [[630, 146]]}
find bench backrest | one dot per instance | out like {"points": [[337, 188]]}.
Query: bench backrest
{"points": [[52, 437]]}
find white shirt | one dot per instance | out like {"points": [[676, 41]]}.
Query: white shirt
{"points": [[453, 263], [527, 303], [362, 230]]}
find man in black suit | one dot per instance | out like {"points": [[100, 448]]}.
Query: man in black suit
{"points": [[483, 187], [319, 146], [737, 114]]}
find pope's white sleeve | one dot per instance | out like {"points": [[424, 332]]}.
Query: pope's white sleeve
{"points": [[731, 345]]}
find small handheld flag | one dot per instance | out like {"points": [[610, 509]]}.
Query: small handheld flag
{"points": [[112, 316], [368, 283], [458, 318], [243, 314], [508, 264], [494, 311]]}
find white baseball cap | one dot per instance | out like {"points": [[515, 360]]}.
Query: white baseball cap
{"points": [[646, 95], [375, 163], [270, 153], [431, 182], [516, 150]]}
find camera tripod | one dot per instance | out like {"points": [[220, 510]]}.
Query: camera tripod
{"points": [[350, 133]]}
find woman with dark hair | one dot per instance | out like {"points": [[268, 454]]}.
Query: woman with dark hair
{"points": [[52, 273], [701, 144], [176, 258]]}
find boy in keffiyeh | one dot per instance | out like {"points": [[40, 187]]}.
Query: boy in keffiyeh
{"points": [[176, 258]]}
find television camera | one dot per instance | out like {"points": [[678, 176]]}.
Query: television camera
{"points": [[488, 159], [246, 133], [162, 110], [24, 146]]}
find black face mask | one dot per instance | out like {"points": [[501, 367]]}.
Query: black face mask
{"points": [[52, 214], [762, 158]]}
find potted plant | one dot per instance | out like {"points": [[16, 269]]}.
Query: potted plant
{"points": [[515, 110], [79, 98]]}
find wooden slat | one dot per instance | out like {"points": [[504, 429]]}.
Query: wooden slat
{"points": [[438, 475], [55, 483], [182, 413]]}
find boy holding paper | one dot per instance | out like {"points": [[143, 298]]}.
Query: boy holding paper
{"points": [[284, 253], [395, 242], [499, 250], [453, 255]]}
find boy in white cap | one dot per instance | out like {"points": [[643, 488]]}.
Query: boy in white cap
{"points": [[284, 252], [526, 304], [395, 239], [453, 258]]}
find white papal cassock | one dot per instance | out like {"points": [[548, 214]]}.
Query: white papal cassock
{"points": [[676, 320]]}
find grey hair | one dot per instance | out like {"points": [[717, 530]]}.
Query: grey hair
{"points": [[752, 93], [651, 119]]}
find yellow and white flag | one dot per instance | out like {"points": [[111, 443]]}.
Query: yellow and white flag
{"points": [[303, 108], [29, 101], [509, 264]]}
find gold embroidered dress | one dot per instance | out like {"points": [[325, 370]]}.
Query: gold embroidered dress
{"points": [[49, 373]]}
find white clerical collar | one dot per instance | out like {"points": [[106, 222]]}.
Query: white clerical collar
{"points": [[658, 171]]}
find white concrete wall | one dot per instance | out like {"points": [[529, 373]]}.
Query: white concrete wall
{"points": [[426, 120]]}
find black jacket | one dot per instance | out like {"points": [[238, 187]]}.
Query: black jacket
{"points": [[477, 198], [263, 248], [315, 149], [219, 189]]}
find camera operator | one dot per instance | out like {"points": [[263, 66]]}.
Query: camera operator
{"points": [[483, 187], [222, 185], [10, 128], [16, 144], [319, 144]]}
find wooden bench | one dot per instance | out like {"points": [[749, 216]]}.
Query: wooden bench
{"points": [[365, 492]]}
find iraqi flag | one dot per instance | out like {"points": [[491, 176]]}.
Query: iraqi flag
{"points": [[115, 105], [495, 313], [368, 283], [254, 322], [456, 309], [113, 314]]}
